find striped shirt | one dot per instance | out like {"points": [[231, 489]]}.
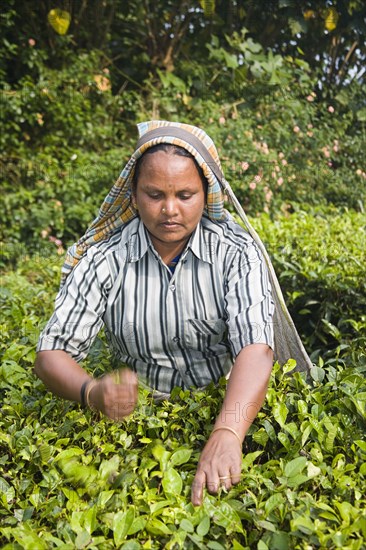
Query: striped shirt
{"points": [[174, 329]]}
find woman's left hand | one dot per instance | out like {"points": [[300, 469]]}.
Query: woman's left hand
{"points": [[219, 465]]}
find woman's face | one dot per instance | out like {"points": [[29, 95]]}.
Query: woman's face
{"points": [[170, 199]]}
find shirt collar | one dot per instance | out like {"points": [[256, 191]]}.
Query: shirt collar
{"points": [[140, 242], [199, 245]]}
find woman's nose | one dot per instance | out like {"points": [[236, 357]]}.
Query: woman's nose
{"points": [[170, 207]]}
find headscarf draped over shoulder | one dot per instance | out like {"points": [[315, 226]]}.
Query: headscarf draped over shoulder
{"points": [[117, 209]]}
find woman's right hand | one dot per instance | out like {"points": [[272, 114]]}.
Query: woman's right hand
{"points": [[115, 394]]}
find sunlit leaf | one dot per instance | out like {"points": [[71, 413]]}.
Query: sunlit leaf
{"points": [[186, 525], [208, 7], [172, 482], [122, 522], [295, 466], [331, 19], [180, 456], [59, 20], [203, 527]]}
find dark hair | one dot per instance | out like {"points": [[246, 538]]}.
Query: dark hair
{"points": [[171, 150]]}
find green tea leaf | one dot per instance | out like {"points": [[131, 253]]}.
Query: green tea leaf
{"points": [[131, 545], [90, 519], [157, 527], [180, 456], [317, 374], [249, 458], [295, 481], [138, 524], [156, 507], [361, 444], [162, 455], [237, 545], [122, 522], [273, 502], [172, 482], [83, 539], [295, 466], [213, 545], [260, 437], [303, 524], [312, 470], [264, 524], [187, 525], [282, 437], [104, 497], [203, 527], [280, 413], [306, 432], [280, 541], [69, 453]]}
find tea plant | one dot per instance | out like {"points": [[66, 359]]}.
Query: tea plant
{"points": [[73, 479]]}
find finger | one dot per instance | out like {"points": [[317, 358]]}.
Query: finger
{"points": [[212, 484], [122, 395], [197, 488], [235, 476], [125, 405], [225, 481], [129, 380], [128, 377], [118, 403]]}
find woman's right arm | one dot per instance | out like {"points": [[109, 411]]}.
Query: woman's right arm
{"points": [[114, 394], [61, 374], [70, 332]]}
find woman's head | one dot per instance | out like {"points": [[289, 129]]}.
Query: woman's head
{"points": [[170, 194]]}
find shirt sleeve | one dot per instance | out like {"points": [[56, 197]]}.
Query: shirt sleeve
{"points": [[79, 308], [248, 300]]}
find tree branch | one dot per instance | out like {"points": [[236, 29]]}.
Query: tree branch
{"points": [[342, 72]]}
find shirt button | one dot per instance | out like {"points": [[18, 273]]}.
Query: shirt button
{"points": [[172, 288], [175, 339]]}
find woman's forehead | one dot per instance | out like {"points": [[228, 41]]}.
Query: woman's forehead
{"points": [[167, 164]]}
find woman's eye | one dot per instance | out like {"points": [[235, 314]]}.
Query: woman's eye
{"points": [[185, 197], [154, 196]]}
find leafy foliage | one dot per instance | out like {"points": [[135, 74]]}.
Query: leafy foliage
{"points": [[87, 482], [320, 257]]}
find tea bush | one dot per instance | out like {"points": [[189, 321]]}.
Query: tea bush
{"points": [[87, 482], [319, 255]]}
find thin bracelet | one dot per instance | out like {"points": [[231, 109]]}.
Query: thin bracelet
{"points": [[82, 393], [230, 430], [88, 389]]}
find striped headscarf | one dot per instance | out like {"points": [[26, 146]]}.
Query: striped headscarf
{"points": [[117, 209]]}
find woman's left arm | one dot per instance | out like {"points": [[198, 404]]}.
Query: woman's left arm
{"points": [[220, 461]]}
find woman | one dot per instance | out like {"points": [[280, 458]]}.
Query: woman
{"points": [[182, 290]]}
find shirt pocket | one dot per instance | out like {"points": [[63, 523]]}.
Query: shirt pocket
{"points": [[204, 333]]}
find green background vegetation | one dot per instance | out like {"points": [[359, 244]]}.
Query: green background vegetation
{"points": [[278, 84]]}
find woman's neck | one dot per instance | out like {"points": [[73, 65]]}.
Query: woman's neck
{"points": [[168, 251]]}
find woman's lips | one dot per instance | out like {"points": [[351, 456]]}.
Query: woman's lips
{"points": [[170, 224]]}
